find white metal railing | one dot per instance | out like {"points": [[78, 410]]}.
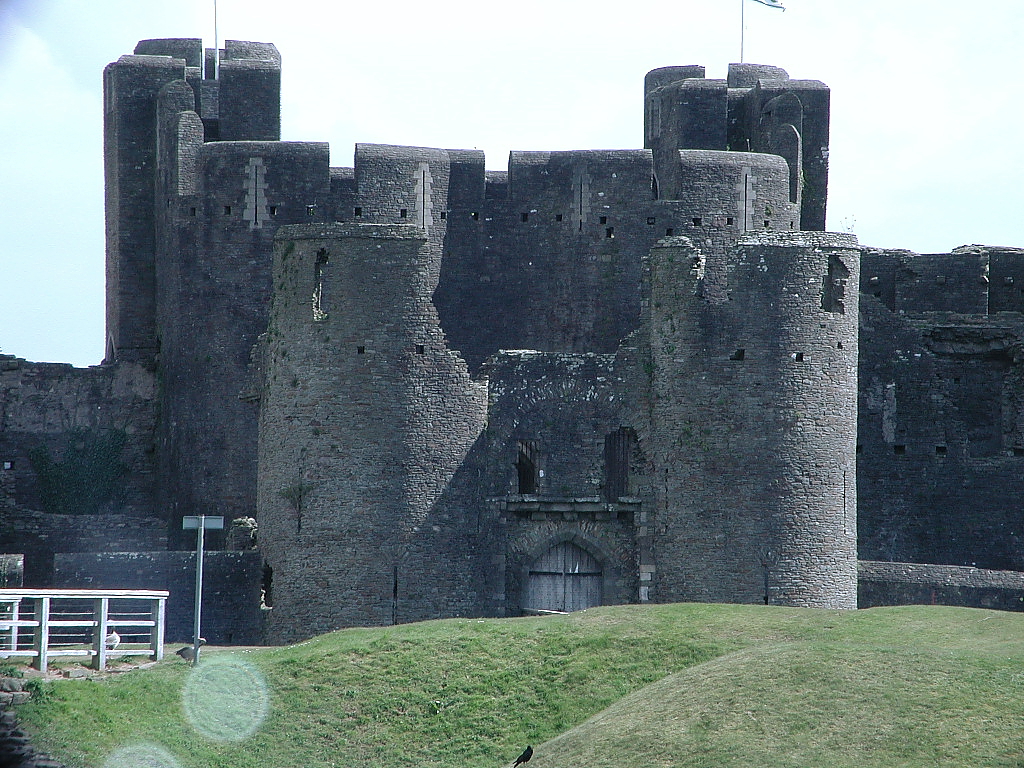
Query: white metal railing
{"points": [[47, 623]]}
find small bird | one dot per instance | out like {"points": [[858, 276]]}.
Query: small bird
{"points": [[112, 641], [188, 653], [525, 757]]}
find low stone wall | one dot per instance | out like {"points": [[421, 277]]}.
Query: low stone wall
{"points": [[232, 582], [881, 583]]}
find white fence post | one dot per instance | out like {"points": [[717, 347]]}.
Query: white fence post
{"points": [[42, 638]]}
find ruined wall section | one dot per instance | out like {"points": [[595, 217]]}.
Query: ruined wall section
{"points": [[566, 412], [365, 417], [551, 260], [213, 303], [76, 453], [753, 422], [940, 436]]}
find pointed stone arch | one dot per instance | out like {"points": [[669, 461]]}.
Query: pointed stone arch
{"points": [[566, 574]]}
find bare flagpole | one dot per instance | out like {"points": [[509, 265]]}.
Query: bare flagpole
{"points": [[216, 44], [743, 25]]}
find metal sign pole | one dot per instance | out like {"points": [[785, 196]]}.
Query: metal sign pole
{"points": [[199, 590], [200, 523]]}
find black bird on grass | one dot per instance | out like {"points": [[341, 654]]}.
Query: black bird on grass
{"points": [[525, 757], [188, 653]]}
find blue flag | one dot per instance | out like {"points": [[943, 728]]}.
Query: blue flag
{"points": [[772, 4]]}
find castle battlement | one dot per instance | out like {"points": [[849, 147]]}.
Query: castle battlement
{"points": [[599, 376]]}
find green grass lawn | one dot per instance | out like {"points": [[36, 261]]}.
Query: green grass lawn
{"points": [[627, 686]]}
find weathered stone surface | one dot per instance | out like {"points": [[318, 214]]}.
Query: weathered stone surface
{"points": [[635, 370]]}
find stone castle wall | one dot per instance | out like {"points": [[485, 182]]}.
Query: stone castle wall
{"points": [[753, 421], [231, 588], [365, 416], [680, 411]]}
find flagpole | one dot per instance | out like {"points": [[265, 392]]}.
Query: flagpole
{"points": [[216, 44], [743, 26]]}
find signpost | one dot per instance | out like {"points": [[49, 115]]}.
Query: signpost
{"points": [[200, 523]]}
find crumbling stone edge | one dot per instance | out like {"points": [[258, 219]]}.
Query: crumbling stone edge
{"points": [[16, 751]]}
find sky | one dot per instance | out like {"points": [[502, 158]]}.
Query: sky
{"points": [[926, 124]]}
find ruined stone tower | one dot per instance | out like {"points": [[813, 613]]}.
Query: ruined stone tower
{"points": [[365, 417]]}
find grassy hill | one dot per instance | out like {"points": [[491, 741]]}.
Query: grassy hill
{"points": [[670, 685]]}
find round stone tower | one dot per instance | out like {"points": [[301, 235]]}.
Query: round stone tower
{"points": [[753, 426], [365, 416]]}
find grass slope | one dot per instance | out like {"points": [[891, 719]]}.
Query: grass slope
{"points": [[674, 685]]}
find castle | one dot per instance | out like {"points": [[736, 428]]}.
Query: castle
{"points": [[598, 377]]}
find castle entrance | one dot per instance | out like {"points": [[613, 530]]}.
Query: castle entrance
{"points": [[565, 578]]}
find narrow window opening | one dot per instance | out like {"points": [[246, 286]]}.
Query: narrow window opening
{"points": [[359, 211], [839, 345], [444, 215], [899, 450], [227, 210], [609, 232], [792, 225], [524, 217], [669, 232], [558, 217], [728, 221], [192, 211], [360, 350], [268, 587], [394, 595], [798, 356], [322, 258], [273, 210], [618, 446], [526, 466], [603, 220], [404, 213], [420, 349], [697, 221], [738, 354], [652, 220], [940, 450], [767, 224]]}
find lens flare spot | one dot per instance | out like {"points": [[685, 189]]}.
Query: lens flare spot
{"points": [[225, 699], [141, 756]]}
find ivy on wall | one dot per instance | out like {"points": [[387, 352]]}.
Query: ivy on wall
{"points": [[87, 476]]}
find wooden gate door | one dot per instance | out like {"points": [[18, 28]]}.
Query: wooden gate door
{"points": [[565, 578]]}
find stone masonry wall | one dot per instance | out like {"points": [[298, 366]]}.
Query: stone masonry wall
{"points": [[76, 448], [232, 582], [566, 408], [753, 421], [916, 584], [365, 417]]}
